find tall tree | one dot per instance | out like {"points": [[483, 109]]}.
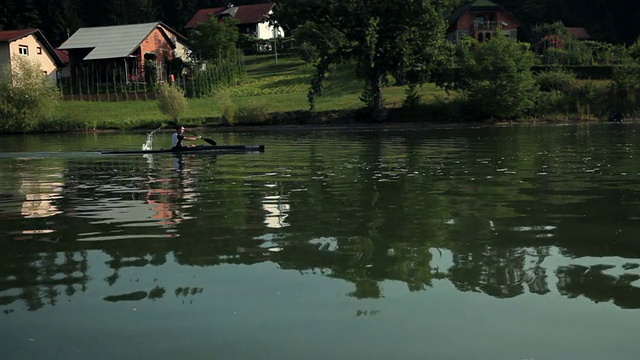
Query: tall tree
{"points": [[62, 21], [382, 38], [214, 40]]}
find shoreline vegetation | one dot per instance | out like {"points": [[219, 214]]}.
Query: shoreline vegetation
{"points": [[274, 94]]}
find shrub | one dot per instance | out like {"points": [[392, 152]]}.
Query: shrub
{"points": [[497, 80], [252, 112], [625, 87], [171, 101], [555, 79], [27, 96], [150, 73], [227, 107], [412, 98]]}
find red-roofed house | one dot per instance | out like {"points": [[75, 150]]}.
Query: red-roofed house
{"points": [[32, 44], [579, 33], [557, 42], [253, 19], [481, 20]]}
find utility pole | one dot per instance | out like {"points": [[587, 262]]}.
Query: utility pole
{"points": [[275, 41]]}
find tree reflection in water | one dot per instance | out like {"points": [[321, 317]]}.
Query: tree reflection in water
{"points": [[487, 214]]}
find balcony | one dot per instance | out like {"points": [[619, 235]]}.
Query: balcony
{"points": [[488, 25]]}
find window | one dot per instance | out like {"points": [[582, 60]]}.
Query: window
{"points": [[39, 50], [23, 50]]}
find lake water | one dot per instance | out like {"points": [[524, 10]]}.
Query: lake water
{"points": [[516, 242]]}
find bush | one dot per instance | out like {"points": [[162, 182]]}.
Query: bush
{"points": [[252, 112], [555, 79], [171, 101], [497, 80], [150, 73], [227, 107], [27, 96], [412, 98], [624, 89]]}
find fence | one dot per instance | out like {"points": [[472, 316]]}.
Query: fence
{"points": [[115, 84]]}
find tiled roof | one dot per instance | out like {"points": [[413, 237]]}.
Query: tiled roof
{"points": [[63, 55], [579, 33], [11, 35], [246, 14]]}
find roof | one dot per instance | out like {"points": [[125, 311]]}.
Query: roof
{"points": [[477, 5], [109, 42], [579, 33], [63, 55], [245, 14], [483, 5], [13, 35]]}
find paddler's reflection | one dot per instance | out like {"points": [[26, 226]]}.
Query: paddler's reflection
{"points": [[178, 162]]}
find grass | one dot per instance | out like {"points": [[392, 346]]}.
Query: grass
{"points": [[281, 86]]}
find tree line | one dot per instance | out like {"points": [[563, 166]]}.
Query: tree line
{"points": [[609, 21]]}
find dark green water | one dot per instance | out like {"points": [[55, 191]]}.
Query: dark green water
{"points": [[479, 243]]}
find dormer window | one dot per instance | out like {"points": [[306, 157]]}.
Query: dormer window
{"points": [[23, 50]]}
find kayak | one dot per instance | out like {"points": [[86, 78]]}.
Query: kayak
{"points": [[199, 148]]}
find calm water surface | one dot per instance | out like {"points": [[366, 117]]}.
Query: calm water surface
{"points": [[479, 243]]}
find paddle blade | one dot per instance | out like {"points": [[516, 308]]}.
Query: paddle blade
{"points": [[210, 141]]}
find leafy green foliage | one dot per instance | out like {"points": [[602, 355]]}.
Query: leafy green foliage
{"points": [[383, 40], [171, 101], [151, 73], [413, 98], [497, 80], [252, 112], [556, 79], [214, 40], [625, 87], [227, 107], [27, 96], [204, 83]]}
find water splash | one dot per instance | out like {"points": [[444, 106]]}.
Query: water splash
{"points": [[148, 145]]}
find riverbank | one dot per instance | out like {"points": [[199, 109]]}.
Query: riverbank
{"points": [[275, 94]]}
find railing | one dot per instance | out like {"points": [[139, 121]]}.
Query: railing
{"points": [[488, 25]]}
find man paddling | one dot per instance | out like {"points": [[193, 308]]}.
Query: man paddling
{"points": [[178, 137]]}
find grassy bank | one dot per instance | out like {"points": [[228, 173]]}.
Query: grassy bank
{"points": [[276, 94], [278, 89]]}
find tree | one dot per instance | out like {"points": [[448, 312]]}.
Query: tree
{"points": [[214, 40], [171, 101], [497, 79], [27, 95], [383, 40]]}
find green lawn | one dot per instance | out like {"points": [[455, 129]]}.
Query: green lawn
{"points": [[279, 87]]}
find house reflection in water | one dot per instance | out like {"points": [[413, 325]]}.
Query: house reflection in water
{"points": [[39, 202], [277, 210], [39, 198]]}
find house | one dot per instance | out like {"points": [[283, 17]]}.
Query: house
{"points": [[31, 44], [559, 42], [481, 19], [579, 33], [102, 54], [253, 19]]}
